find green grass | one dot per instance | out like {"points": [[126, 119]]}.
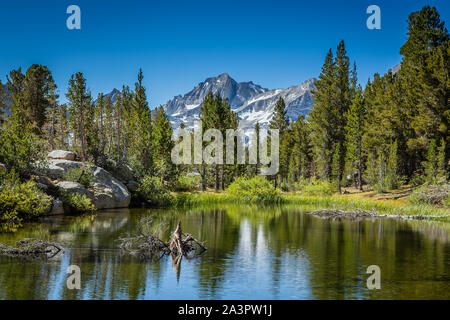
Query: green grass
{"points": [[343, 202], [389, 207], [194, 199]]}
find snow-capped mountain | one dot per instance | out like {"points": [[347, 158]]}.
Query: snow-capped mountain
{"points": [[252, 102], [298, 100], [185, 109]]}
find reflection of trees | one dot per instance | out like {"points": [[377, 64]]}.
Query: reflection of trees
{"points": [[275, 246]]}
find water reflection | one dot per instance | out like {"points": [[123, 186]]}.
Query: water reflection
{"points": [[253, 253]]}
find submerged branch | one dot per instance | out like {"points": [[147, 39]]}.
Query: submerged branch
{"points": [[148, 245]]}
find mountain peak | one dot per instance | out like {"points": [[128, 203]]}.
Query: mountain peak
{"points": [[251, 101], [224, 75]]}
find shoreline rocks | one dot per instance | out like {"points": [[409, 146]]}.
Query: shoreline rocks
{"points": [[106, 192]]}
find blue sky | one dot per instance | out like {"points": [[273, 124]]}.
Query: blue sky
{"points": [[178, 44]]}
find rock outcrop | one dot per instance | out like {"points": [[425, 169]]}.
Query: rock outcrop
{"points": [[62, 155], [106, 192], [57, 207]]}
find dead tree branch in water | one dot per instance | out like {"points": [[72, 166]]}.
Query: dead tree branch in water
{"points": [[148, 245], [33, 249]]}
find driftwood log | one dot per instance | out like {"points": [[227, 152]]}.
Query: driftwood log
{"points": [[33, 249], [148, 245], [334, 213]]}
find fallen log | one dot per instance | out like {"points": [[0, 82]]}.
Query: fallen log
{"points": [[334, 213], [33, 249], [398, 196]]}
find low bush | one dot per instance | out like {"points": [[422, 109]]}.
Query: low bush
{"points": [[319, 188], [186, 183], [76, 203], [21, 200], [431, 194], [287, 186], [152, 190], [85, 176], [301, 183], [257, 189]]}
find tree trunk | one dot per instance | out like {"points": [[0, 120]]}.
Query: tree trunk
{"points": [[217, 177], [222, 179], [203, 178]]}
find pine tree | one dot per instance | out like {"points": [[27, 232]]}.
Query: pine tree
{"points": [[63, 130], [15, 87], [343, 101], [52, 115], [443, 171], [336, 167], [431, 166], [36, 89], [328, 118], [279, 120], [162, 146], [3, 104], [425, 92], [141, 146], [79, 99], [393, 179], [257, 141], [354, 134], [323, 118], [301, 152]]}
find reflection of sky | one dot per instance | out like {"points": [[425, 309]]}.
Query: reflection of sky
{"points": [[250, 270], [59, 278], [287, 255]]}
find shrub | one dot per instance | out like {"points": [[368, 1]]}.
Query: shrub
{"points": [[21, 200], [85, 176], [20, 146], [286, 186], [417, 180], [77, 203], [186, 183], [256, 189], [301, 183], [319, 188], [152, 190], [431, 194]]}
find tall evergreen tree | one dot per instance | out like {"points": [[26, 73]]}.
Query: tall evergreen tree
{"points": [[344, 95], [163, 145], [15, 87], [141, 120], [37, 83], [323, 117], [301, 152], [281, 123], [79, 99], [354, 134]]}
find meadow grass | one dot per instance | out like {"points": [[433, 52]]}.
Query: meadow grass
{"points": [[400, 207]]}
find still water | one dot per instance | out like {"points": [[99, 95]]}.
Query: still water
{"points": [[253, 253]]}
